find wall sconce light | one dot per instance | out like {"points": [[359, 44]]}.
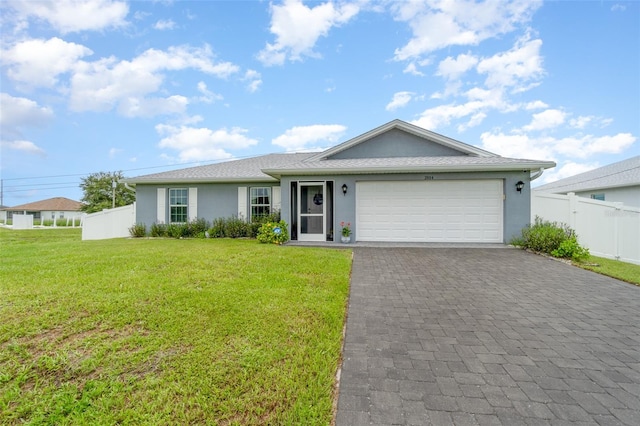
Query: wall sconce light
{"points": [[344, 189], [519, 186]]}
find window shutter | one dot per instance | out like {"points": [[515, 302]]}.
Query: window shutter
{"points": [[242, 202], [276, 198], [161, 210], [193, 203]]}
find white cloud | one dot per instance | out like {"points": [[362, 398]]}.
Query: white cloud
{"points": [[255, 80], [514, 68], [412, 69], [519, 145], [69, 16], [208, 96], [399, 100], [107, 83], [39, 62], [19, 114], [202, 143], [618, 7], [26, 147], [164, 24], [568, 169], [547, 119], [439, 24], [301, 138], [113, 152], [535, 105], [297, 29], [453, 68]]}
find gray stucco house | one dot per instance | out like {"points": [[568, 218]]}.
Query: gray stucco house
{"points": [[616, 182], [397, 182]]}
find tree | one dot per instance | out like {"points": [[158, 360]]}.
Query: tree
{"points": [[98, 192]]}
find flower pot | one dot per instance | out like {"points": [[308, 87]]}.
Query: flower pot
{"points": [[345, 240]]}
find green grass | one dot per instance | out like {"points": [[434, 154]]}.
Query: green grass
{"points": [[613, 268], [166, 331]]}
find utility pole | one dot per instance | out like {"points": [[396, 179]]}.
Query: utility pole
{"points": [[1, 192], [113, 200]]}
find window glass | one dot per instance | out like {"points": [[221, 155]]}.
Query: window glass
{"points": [[597, 197], [260, 199], [178, 201]]}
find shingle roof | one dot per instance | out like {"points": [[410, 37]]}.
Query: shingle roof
{"points": [[248, 170], [408, 165], [620, 174], [57, 204]]}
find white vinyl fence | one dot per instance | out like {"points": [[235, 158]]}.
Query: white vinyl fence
{"points": [[111, 223], [609, 230]]}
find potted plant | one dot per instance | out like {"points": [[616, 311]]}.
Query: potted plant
{"points": [[346, 232]]}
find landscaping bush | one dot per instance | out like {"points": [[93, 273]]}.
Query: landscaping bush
{"points": [[236, 227], [139, 230], [273, 233], [552, 238], [570, 249], [158, 230], [217, 229]]}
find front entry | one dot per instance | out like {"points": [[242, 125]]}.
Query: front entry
{"points": [[312, 210]]}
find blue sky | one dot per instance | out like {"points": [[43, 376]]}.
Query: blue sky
{"points": [[148, 86]]}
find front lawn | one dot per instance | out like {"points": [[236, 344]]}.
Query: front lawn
{"points": [[614, 268], [166, 331]]}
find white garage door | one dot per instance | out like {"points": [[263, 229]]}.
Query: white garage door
{"points": [[429, 211]]}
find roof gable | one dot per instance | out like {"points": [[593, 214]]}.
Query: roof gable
{"points": [[399, 139]]}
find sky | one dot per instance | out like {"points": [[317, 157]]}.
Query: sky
{"points": [[147, 86]]}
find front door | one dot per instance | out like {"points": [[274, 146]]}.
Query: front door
{"points": [[312, 210]]}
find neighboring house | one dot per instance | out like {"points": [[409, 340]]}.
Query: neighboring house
{"points": [[50, 209], [397, 182], [617, 182]]}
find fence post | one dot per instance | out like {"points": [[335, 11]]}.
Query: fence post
{"points": [[573, 210], [616, 230]]}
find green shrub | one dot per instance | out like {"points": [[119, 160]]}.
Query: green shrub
{"points": [[197, 227], [235, 227], [558, 240], [273, 233], [176, 230], [543, 236], [570, 249], [217, 228], [158, 230], [139, 230]]}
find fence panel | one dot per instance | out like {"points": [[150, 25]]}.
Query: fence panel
{"points": [[112, 223], [609, 230]]}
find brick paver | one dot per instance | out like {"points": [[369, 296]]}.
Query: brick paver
{"points": [[487, 337]]}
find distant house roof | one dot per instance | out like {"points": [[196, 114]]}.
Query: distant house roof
{"points": [[58, 204], [621, 174]]}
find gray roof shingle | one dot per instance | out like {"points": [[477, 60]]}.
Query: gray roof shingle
{"points": [[248, 169], [620, 174]]}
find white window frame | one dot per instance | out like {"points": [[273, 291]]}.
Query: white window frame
{"points": [[256, 192], [172, 204]]}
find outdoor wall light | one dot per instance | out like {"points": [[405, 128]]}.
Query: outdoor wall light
{"points": [[519, 186], [344, 189]]}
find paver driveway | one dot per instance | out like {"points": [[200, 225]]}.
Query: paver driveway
{"points": [[487, 336]]}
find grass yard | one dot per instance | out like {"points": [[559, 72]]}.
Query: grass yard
{"points": [[165, 331], [614, 268]]}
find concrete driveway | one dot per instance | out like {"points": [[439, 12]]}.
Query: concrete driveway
{"points": [[468, 336]]}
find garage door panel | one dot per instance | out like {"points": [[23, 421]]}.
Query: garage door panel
{"points": [[438, 211]]}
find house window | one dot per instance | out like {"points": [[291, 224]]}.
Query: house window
{"points": [[178, 205], [597, 197], [260, 201]]}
